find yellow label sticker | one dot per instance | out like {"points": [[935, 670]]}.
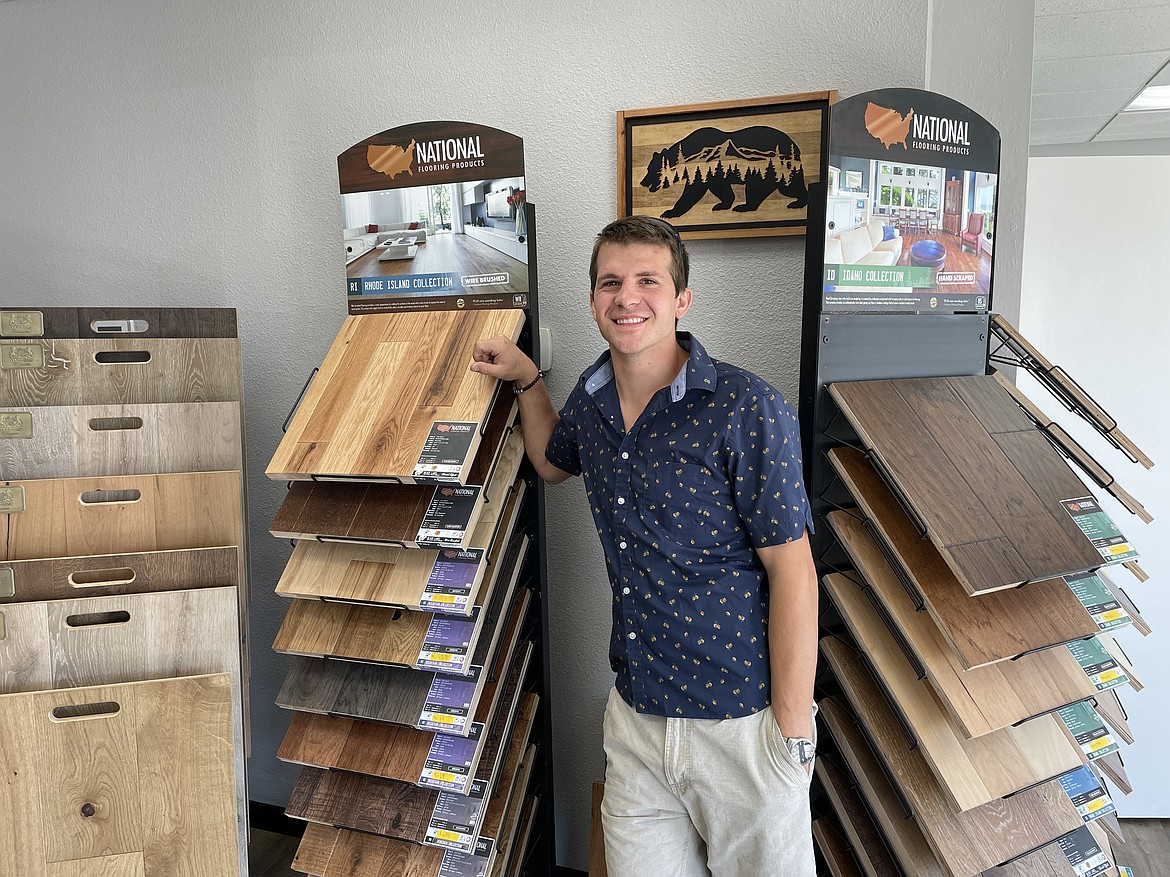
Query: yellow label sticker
{"points": [[438, 656], [1112, 615], [442, 776], [444, 834], [1123, 548], [443, 720], [1108, 675], [1099, 743], [1094, 805], [442, 598]]}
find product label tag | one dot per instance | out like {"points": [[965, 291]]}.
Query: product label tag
{"points": [[1088, 730], [454, 822], [21, 324], [449, 761], [1087, 794], [445, 451], [448, 516], [1123, 871], [457, 864], [1097, 663], [11, 499], [448, 706], [14, 356], [7, 582], [1099, 529], [1099, 601], [15, 424], [446, 644], [1084, 854], [448, 588]]}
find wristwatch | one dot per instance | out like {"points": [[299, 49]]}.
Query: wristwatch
{"points": [[803, 750]]}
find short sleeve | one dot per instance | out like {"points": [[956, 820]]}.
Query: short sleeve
{"points": [[764, 462], [563, 450]]}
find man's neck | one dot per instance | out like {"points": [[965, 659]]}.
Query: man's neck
{"points": [[639, 378]]}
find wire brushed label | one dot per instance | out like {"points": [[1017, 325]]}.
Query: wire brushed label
{"points": [[21, 324]]}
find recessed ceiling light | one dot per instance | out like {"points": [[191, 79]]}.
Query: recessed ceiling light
{"points": [[1152, 97]]}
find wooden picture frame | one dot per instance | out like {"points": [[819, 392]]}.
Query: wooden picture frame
{"points": [[751, 185]]}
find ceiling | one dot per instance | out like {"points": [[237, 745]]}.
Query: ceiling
{"points": [[1092, 57]]}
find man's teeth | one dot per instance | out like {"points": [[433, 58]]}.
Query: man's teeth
{"points": [[627, 320]]}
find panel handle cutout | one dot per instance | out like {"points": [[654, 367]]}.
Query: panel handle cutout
{"points": [[122, 357], [96, 578], [79, 712], [98, 619], [119, 327], [103, 424], [98, 497]]}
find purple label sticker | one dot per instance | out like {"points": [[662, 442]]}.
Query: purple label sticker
{"points": [[448, 706], [449, 761], [446, 645]]}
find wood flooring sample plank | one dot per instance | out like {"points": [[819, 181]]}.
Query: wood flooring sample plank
{"points": [[335, 852], [982, 630], [983, 699], [71, 517], [1109, 707], [78, 441], [119, 371], [994, 515], [969, 842], [387, 380], [871, 849], [37, 322], [141, 768], [835, 850], [970, 772], [109, 575]]}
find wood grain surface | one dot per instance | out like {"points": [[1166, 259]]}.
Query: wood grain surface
{"points": [[376, 693], [977, 472], [873, 852], [94, 371], [965, 843], [970, 772], [596, 834], [106, 575], [1113, 767], [1119, 594], [835, 850], [67, 517], [149, 773], [518, 845], [385, 381], [382, 513], [386, 575], [1109, 707], [147, 322], [992, 627], [77, 441], [983, 699], [1050, 861]]}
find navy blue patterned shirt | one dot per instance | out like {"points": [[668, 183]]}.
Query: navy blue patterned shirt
{"points": [[710, 471]]}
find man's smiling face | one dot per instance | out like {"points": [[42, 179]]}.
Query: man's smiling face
{"points": [[634, 302]]}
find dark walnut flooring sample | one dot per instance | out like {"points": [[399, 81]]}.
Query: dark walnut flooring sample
{"points": [[118, 322], [107, 575], [983, 480], [983, 629], [866, 841], [835, 850], [385, 382], [965, 843], [983, 699], [119, 371]]}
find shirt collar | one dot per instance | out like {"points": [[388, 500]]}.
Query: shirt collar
{"points": [[698, 371]]}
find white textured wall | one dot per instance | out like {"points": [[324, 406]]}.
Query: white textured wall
{"points": [[184, 154], [1100, 310]]}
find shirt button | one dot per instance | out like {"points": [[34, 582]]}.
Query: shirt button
{"points": [[633, 635], [625, 590], [621, 500], [622, 546], [625, 455]]}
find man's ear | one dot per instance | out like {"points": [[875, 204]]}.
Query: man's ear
{"points": [[682, 303]]}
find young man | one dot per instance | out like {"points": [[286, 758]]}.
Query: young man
{"points": [[693, 470]]}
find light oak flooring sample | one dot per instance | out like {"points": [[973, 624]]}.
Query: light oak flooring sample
{"points": [[382, 694], [106, 575], [970, 772], [119, 371], [118, 322], [979, 475], [872, 850], [391, 576], [982, 630], [395, 514], [835, 850], [141, 770], [983, 699], [77, 441], [386, 380], [964, 843], [71, 517]]}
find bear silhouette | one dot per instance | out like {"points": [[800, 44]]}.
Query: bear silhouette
{"points": [[761, 159]]}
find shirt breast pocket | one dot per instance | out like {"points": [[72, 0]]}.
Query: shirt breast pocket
{"points": [[690, 500]]}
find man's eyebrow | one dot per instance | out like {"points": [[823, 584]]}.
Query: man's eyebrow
{"points": [[647, 272]]}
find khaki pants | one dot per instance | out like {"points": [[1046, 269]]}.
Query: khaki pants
{"points": [[702, 797]]}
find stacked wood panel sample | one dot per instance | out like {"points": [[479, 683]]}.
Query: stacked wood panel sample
{"points": [[994, 627], [835, 850], [872, 850], [118, 322], [135, 776], [977, 473], [386, 381]]}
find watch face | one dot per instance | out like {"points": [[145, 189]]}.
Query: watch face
{"points": [[804, 751]]}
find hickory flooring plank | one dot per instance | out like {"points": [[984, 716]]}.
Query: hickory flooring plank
{"points": [[78, 441], [867, 844], [992, 627], [983, 699], [393, 514], [835, 850], [995, 526], [386, 694], [71, 517], [107, 575], [119, 371], [117, 322], [965, 843], [336, 852], [386, 380], [409, 578], [139, 768], [969, 772]]}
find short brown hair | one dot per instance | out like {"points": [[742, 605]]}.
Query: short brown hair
{"points": [[645, 230]]}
